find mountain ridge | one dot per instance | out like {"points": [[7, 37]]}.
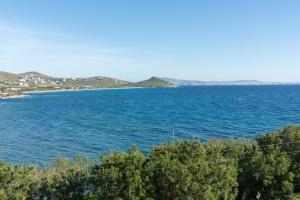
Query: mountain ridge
{"points": [[182, 82]]}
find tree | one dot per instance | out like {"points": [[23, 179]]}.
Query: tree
{"points": [[265, 174], [288, 140], [120, 176], [190, 170], [65, 179], [16, 181]]}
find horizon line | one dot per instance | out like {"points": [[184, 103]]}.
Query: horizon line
{"points": [[161, 77]]}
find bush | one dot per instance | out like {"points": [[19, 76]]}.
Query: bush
{"points": [[65, 179], [17, 181]]}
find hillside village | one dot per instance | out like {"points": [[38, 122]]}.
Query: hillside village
{"points": [[16, 84], [11, 85]]}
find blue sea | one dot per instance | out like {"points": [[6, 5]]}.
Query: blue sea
{"points": [[43, 126]]}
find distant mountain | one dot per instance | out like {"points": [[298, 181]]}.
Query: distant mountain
{"points": [[180, 82], [152, 82]]}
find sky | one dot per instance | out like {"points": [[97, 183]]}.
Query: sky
{"points": [[212, 40]]}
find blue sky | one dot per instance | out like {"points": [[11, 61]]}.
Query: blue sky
{"points": [[134, 39]]}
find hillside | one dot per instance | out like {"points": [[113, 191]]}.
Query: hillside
{"points": [[5, 76], [35, 81], [153, 82], [35, 74], [12, 84], [94, 82]]}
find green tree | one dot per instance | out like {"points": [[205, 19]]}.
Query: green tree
{"points": [[16, 181], [288, 140], [265, 174], [65, 179], [120, 176], [190, 170]]}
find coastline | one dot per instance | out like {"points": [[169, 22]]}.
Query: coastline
{"points": [[27, 93], [77, 90], [15, 96]]}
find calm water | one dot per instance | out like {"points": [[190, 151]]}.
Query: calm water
{"points": [[43, 126]]}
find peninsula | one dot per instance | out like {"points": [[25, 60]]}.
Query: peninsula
{"points": [[12, 85]]}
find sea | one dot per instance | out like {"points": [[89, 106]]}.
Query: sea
{"points": [[43, 126]]}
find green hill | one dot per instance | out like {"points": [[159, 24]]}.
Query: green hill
{"points": [[153, 82], [95, 82], [34, 81], [31, 81]]}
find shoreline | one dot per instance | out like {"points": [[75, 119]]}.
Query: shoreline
{"points": [[77, 90], [15, 97], [27, 93]]}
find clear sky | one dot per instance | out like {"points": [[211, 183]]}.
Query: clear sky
{"points": [[136, 39]]}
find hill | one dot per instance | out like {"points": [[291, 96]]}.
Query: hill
{"points": [[153, 82], [94, 82], [36, 75], [5, 76], [35, 81], [180, 82]]}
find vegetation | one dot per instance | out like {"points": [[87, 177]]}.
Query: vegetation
{"points": [[264, 168], [5, 76], [152, 82], [296, 197], [34, 81]]}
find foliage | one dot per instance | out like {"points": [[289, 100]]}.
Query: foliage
{"points": [[120, 176], [265, 175], [16, 181], [288, 140], [65, 179], [189, 170]]}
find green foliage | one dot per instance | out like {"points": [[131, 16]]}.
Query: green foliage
{"points": [[16, 181], [288, 140], [296, 196], [120, 176], [188, 170], [65, 179], [266, 168], [265, 174], [153, 82]]}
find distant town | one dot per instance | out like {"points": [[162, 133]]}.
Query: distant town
{"points": [[12, 85]]}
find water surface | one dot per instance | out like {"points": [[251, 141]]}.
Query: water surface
{"points": [[46, 125]]}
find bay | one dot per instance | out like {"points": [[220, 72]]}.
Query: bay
{"points": [[43, 126]]}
